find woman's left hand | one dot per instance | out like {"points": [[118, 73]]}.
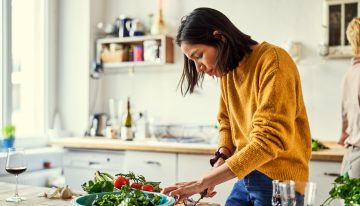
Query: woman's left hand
{"points": [[183, 190]]}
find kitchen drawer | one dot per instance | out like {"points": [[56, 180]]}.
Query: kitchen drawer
{"points": [[324, 174], [154, 166], [96, 160]]}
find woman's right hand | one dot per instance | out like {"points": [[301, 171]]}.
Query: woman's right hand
{"points": [[210, 190], [342, 139]]}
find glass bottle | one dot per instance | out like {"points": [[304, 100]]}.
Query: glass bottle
{"points": [[126, 129], [159, 26]]}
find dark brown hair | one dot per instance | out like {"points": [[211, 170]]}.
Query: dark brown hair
{"points": [[198, 28]]}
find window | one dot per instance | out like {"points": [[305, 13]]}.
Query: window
{"points": [[23, 60], [337, 15]]}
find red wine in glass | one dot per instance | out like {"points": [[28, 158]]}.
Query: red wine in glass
{"points": [[15, 170], [15, 164]]}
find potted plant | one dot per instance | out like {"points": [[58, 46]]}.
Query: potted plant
{"points": [[345, 189], [8, 135]]}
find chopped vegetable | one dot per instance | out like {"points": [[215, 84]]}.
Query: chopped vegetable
{"points": [[127, 197]]}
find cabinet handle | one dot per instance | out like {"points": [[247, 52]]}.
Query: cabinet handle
{"points": [[94, 163], [331, 174], [153, 163]]}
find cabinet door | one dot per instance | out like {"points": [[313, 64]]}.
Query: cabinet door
{"points": [[192, 167], [323, 173], [154, 166], [81, 165]]}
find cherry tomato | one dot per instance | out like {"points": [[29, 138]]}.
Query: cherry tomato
{"points": [[148, 188], [120, 181], [136, 185]]}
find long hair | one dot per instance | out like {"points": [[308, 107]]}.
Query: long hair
{"points": [[198, 28], [353, 35]]}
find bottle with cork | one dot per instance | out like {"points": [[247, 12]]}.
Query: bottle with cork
{"points": [[127, 127]]}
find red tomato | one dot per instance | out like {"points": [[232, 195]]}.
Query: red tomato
{"points": [[120, 181], [148, 188], [136, 185]]}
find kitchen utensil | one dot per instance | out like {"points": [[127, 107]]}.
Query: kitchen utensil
{"points": [[97, 125], [192, 202]]}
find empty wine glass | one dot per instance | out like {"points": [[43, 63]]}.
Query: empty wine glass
{"points": [[310, 194], [15, 164], [276, 200], [287, 193]]}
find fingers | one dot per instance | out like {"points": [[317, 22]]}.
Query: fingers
{"points": [[210, 192], [167, 190]]}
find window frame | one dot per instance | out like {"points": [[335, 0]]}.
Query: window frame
{"points": [[341, 51], [6, 85]]}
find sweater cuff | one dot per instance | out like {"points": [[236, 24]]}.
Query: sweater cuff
{"points": [[226, 141], [247, 160]]}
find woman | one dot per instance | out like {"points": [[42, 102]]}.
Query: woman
{"points": [[350, 136], [264, 131]]}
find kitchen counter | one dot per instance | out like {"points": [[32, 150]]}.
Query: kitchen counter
{"points": [[335, 153], [31, 193]]}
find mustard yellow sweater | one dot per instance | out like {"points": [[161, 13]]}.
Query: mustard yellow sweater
{"points": [[262, 116]]}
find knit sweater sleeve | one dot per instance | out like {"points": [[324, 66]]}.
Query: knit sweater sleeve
{"points": [[224, 125], [273, 122]]}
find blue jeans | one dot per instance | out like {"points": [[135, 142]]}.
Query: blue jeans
{"points": [[255, 189]]}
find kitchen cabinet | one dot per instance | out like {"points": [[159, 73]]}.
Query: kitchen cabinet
{"points": [[324, 174], [43, 164], [80, 165], [192, 167], [135, 51], [154, 166]]}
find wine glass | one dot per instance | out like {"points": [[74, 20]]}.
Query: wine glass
{"points": [[276, 200], [310, 193], [15, 164], [287, 193]]}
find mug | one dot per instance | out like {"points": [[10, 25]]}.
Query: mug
{"points": [[135, 27], [123, 31]]}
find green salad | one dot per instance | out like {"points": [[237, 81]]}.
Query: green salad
{"points": [[127, 197]]}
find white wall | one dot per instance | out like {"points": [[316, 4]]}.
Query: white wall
{"points": [[73, 63], [154, 88], [275, 21]]}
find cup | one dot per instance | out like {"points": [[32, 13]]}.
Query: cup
{"points": [[287, 193], [276, 200], [115, 108], [310, 193], [292, 193]]}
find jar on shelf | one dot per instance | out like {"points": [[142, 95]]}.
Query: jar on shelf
{"points": [[138, 52]]}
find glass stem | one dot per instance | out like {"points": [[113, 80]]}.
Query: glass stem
{"points": [[16, 187]]}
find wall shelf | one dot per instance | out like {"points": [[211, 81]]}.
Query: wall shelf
{"points": [[119, 52]]}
